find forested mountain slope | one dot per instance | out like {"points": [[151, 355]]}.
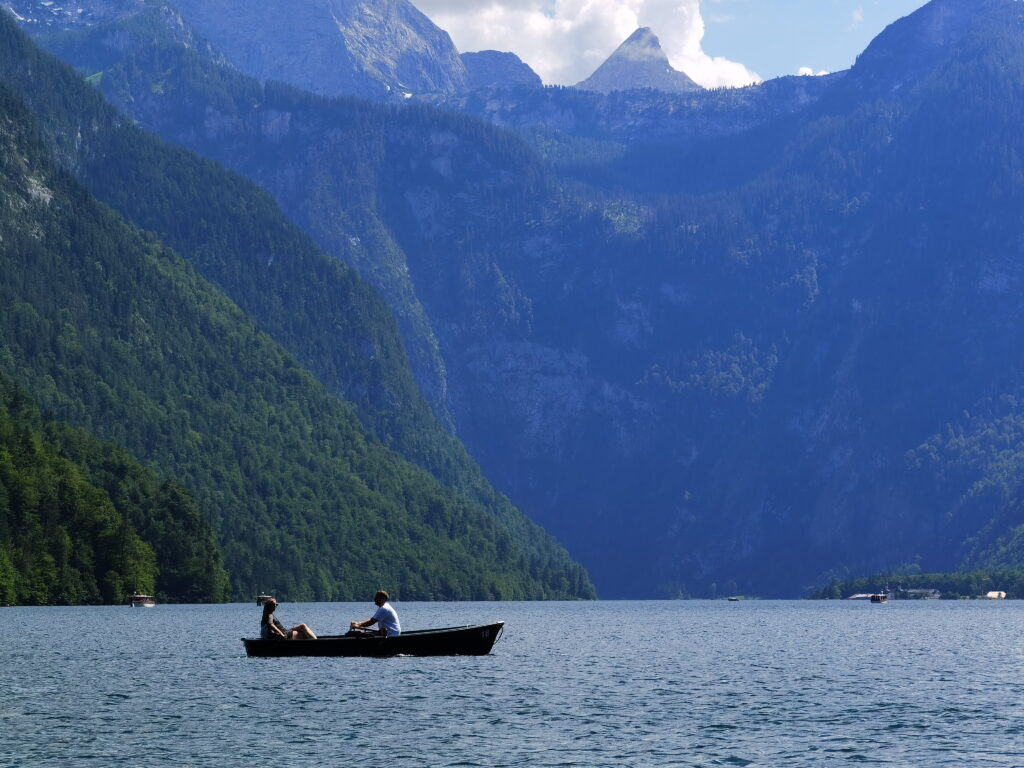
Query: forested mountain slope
{"points": [[158, 39], [81, 522], [108, 329], [785, 352], [358, 176], [313, 304]]}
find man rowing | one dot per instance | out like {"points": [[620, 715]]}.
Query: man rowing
{"points": [[385, 616]]}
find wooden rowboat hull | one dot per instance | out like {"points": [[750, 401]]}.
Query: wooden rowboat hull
{"points": [[474, 640]]}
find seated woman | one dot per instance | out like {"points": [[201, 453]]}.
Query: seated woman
{"points": [[271, 628]]}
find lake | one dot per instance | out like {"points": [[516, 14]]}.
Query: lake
{"points": [[692, 683]]}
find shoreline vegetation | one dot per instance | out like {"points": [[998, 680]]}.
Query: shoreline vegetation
{"points": [[1004, 584], [930, 586]]}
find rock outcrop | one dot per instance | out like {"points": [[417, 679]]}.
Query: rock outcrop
{"points": [[379, 49], [639, 62]]}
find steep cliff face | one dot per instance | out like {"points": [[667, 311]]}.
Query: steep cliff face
{"points": [[378, 49], [384, 49]]}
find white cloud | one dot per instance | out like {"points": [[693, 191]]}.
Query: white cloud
{"points": [[564, 41], [808, 72]]}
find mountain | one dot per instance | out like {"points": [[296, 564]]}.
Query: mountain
{"points": [[638, 63], [380, 387], [738, 341], [912, 47], [495, 69], [492, 69], [385, 49], [110, 330], [379, 49], [519, 398]]}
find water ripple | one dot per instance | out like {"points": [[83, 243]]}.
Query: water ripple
{"points": [[725, 684]]}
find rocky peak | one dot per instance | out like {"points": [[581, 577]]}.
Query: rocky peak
{"points": [[639, 62], [495, 69], [369, 48]]}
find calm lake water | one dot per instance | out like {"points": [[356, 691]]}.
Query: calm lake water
{"points": [[569, 684]]}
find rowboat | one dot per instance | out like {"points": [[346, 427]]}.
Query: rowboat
{"points": [[475, 640]]}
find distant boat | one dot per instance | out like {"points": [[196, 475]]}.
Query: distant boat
{"points": [[879, 597], [261, 598], [733, 599], [452, 641], [142, 601]]}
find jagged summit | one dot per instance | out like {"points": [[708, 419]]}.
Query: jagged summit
{"points": [[361, 47], [370, 48], [638, 63]]}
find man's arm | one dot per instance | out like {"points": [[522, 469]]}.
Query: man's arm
{"points": [[363, 624]]}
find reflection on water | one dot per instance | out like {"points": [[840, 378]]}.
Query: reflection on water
{"points": [[569, 684]]}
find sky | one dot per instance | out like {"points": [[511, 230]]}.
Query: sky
{"points": [[716, 42]]}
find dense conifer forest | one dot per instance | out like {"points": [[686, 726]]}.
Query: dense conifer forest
{"points": [[82, 522]]}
